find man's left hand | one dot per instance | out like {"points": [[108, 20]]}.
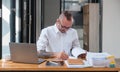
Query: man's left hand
{"points": [[83, 56]]}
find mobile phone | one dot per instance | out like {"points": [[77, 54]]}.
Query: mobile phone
{"points": [[53, 63]]}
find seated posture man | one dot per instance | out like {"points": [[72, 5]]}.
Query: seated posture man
{"points": [[60, 40]]}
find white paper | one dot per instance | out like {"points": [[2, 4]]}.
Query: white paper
{"points": [[98, 59], [86, 64], [89, 60]]}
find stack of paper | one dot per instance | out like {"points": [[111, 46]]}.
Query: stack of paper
{"points": [[92, 60], [98, 59]]}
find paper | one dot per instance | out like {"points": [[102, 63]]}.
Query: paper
{"points": [[98, 59], [85, 64], [92, 60]]}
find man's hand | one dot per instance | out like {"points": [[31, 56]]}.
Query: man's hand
{"points": [[61, 55], [83, 56]]}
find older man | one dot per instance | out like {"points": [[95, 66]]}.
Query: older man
{"points": [[60, 40]]}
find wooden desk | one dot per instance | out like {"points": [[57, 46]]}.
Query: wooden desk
{"points": [[10, 66]]}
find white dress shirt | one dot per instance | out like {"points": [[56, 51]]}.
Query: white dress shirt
{"points": [[52, 40]]}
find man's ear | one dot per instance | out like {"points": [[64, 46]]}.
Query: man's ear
{"points": [[57, 20]]}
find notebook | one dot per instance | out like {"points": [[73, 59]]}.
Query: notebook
{"points": [[24, 53], [75, 61]]}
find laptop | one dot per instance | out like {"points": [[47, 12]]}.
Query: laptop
{"points": [[24, 53]]}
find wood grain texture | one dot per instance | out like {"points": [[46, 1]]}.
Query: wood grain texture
{"points": [[10, 66]]}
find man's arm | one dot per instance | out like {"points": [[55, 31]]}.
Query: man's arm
{"points": [[42, 44], [42, 41], [59, 55], [41, 47], [76, 49], [44, 54]]}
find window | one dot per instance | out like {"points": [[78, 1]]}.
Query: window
{"points": [[5, 27], [18, 23], [76, 8]]}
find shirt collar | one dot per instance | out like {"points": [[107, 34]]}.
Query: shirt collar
{"points": [[56, 29]]}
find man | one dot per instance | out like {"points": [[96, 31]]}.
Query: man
{"points": [[60, 40]]}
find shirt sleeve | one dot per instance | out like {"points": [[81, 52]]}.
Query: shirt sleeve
{"points": [[42, 41], [76, 49]]}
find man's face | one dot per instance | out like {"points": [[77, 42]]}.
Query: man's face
{"points": [[64, 25]]}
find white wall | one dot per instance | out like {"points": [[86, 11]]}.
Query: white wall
{"points": [[111, 27], [51, 11]]}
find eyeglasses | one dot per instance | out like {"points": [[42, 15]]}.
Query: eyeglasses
{"points": [[64, 26]]}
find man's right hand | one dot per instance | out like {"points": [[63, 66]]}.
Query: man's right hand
{"points": [[61, 55]]}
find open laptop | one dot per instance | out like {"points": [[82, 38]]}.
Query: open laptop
{"points": [[24, 52]]}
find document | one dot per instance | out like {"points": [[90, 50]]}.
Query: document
{"points": [[77, 63], [98, 59], [92, 60]]}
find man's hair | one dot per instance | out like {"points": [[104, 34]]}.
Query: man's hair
{"points": [[67, 15]]}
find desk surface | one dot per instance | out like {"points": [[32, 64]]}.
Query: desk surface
{"points": [[11, 66]]}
